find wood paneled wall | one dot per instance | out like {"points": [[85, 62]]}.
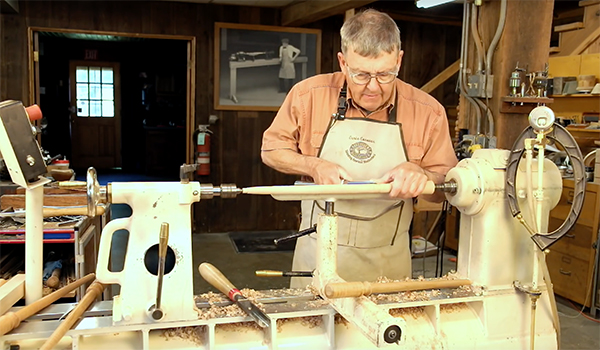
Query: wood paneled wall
{"points": [[238, 134]]}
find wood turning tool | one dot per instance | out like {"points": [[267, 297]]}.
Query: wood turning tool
{"points": [[12, 320], [273, 273], [213, 276], [357, 289]]}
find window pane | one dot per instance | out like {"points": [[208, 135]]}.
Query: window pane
{"points": [[82, 91], [94, 74], [107, 75], [82, 75], [107, 92], [108, 109], [82, 108], [95, 108], [95, 92]]}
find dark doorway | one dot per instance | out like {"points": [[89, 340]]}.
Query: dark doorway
{"points": [[153, 78]]}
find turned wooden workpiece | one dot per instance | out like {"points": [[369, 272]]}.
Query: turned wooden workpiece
{"points": [[91, 293], [357, 289], [11, 320], [341, 191]]}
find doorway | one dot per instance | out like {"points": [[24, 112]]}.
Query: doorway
{"points": [[152, 96]]}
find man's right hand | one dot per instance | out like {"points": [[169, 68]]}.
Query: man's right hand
{"points": [[327, 173]]}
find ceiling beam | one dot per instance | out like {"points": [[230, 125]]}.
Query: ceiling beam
{"points": [[9, 6], [306, 12]]}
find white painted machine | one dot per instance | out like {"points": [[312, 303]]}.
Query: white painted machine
{"points": [[499, 297]]}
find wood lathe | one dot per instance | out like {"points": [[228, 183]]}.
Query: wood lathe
{"points": [[499, 297]]}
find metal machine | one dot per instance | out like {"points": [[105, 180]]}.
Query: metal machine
{"points": [[499, 297]]}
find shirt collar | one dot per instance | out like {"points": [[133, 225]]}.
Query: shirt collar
{"points": [[389, 104]]}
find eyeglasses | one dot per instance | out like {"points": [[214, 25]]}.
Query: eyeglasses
{"points": [[364, 78]]}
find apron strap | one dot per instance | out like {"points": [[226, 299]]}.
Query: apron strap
{"points": [[342, 105]]}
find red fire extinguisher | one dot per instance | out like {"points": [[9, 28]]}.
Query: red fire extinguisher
{"points": [[203, 150]]}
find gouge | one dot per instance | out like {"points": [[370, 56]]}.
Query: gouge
{"points": [[273, 273], [213, 276]]}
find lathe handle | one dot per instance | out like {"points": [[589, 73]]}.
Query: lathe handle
{"points": [[213, 276], [102, 272]]}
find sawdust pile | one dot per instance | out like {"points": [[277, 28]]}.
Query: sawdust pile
{"points": [[306, 321], [414, 312], [194, 334]]}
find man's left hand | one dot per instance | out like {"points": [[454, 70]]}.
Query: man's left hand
{"points": [[408, 180]]}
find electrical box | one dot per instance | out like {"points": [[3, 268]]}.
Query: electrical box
{"points": [[480, 85]]}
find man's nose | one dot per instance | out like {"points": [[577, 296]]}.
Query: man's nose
{"points": [[373, 85]]}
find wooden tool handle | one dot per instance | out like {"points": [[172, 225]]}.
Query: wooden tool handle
{"points": [[48, 212], [2, 281], [10, 320], [357, 289], [53, 280], [213, 276], [72, 184], [90, 296]]}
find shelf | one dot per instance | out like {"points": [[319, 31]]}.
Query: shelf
{"points": [[522, 105], [50, 236], [576, 96]]}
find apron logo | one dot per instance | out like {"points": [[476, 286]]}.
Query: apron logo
{"points": [[360, 152]]}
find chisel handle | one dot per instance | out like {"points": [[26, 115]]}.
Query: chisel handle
{"points": [[213, 276], [49, 212]]}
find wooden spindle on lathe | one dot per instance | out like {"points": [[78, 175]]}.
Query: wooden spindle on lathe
{"points": [[91, 293], [12, 320]]}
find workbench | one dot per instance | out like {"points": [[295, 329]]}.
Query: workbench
{"points": [[261, 62], [82, 232]]}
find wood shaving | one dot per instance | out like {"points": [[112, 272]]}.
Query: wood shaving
{"points": [[239, 327], [307, 321], [450, 308], [414, 312], [339, 319], [195, 334]]}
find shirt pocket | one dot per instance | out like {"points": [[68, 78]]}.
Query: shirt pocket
{"points": [[415, 154]]}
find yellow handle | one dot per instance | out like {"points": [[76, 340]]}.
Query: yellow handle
{"points": [[48, 212]]}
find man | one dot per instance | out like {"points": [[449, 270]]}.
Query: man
{"points": [[382, 129], [287, 71]]}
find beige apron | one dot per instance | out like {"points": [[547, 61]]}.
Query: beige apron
{"points": [[373, 236], [287, 69]]}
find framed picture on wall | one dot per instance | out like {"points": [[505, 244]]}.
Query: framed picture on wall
{"points": [[256, 65]]}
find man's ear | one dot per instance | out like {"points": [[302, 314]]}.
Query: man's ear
{"points": [[400, 55], [341, 61]]}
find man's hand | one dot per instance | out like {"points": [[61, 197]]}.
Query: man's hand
{"points": [[408, 180], [327, 173]]}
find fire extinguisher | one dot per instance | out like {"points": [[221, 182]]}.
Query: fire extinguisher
{"points": [[203, 150]]}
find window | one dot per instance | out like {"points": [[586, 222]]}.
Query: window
{"points": [[95, 92]]}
